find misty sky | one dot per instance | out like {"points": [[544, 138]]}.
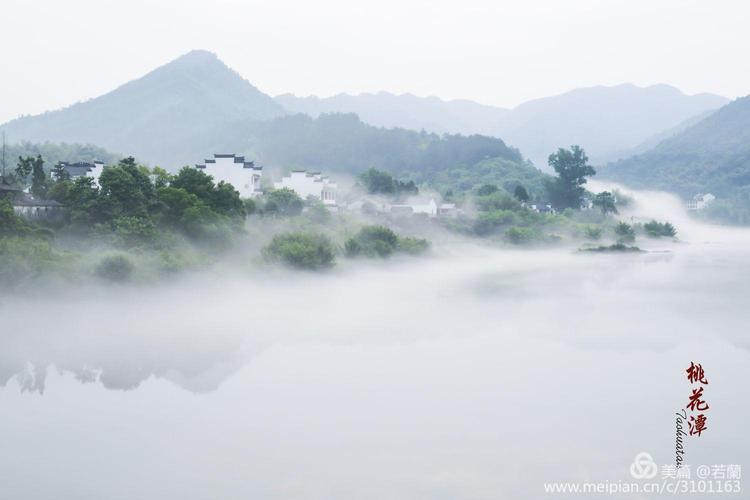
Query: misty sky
{"points": [[494, 52]]}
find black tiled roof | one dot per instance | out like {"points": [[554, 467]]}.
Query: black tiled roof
{"points": [[237, 159], [29, 201], [78, 168]]}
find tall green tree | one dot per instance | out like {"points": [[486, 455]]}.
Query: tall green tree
{"points": [[24, 167], [222, 198], [572, 168], [377, 182], [34, 167], [10, 223], [226, 200], [126, 190], [521, 194], [59, 174], [605, 202], [39, 179], [283, 202], [194, 181], [81, 200]]}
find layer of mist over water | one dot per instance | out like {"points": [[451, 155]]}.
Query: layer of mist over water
{"points": [[476, 373]]}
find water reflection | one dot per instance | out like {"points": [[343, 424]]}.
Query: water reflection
{"points": [[479, 373]]}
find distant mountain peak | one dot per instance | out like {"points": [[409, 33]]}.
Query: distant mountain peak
{"points": [[195, 60], [199, 54], [160, 116]]}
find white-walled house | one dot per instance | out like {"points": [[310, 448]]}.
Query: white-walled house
{"points": [[83, 169], [428, 208], [243, 175], [448, 210], [542, 207], [32, 207], [700, 201], [307, 184]]}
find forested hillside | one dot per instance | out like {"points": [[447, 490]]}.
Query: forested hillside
{"points": [[711, 156]]}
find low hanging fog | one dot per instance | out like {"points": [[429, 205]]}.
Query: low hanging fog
{"points": [[478, 372]]}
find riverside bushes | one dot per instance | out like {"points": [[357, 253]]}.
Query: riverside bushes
{"points": [[27, 258], [117, 268], [382, 242], [655, 229], [301, 250]]}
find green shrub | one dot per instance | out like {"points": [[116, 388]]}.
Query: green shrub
{"points": [[657, 229], [487, 222], [625, 232], [487, 189], [27, 257], [617, 247], [380, 241], [318, 213], [250, 206], [283, 202], [116, 268], [352, 248], [593, 232], [411, 245], [301, 250], [171, 262], [497, 201], [133, 231], [520, 235], [10, 223], [43, 233], [372, 241]]}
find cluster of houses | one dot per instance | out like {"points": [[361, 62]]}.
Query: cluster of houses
{"points": [[246, 178], [29, 206]]}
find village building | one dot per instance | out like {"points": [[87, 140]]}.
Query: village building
{"points": [[310, 184], [424, 207], [448, 210], [245, 176], [542, 208], [27, 205], [31, 207], [700, 201], [420, 207], [367, 206], [83, 169]]}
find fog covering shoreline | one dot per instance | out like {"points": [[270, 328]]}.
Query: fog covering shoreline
{"points": [[477, 372]]}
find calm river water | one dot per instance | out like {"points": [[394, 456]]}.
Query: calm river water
{"points": [[478, 373]]}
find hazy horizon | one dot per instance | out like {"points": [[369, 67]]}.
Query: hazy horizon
{"points": [[496, 54]]}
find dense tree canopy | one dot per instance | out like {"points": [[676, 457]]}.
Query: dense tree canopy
{"points": [[284, 202], [301, 250], [521, 194], [379, 182], [605, 201], [572, 168]]}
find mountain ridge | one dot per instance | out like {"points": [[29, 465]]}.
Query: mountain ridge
{"points": [[712, 155], [537, 127], [155, 115]]}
